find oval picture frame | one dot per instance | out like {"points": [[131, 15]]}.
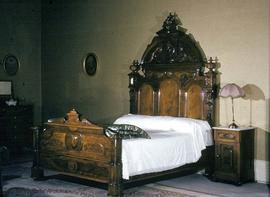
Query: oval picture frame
{"points": [[11, 64], [90, 64]]}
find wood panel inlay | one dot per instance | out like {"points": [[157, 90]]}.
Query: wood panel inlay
{"points": [[194, 102], [169, 98], [96, 148], [146, 100]]}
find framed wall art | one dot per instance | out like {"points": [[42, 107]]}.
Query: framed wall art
{"points": [[90, 64], [11, 64]]}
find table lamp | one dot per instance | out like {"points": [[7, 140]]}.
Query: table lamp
{"points": [[234, 91]]}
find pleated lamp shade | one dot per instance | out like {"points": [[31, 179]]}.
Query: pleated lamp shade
{"points": [[231, 90]]}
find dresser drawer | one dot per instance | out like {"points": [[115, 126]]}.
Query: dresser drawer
{"points": [[227, 136]]}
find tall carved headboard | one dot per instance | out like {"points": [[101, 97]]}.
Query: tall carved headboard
{"points": [[173, 77]]}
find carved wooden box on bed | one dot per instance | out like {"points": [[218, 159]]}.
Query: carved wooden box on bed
{"points": [[172, 79]]}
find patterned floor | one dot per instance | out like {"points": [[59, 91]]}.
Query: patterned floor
{"points": [[17, 182]]}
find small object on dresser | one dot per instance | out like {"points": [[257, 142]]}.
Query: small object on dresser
{"points": [[11, 102], [234, 154]]}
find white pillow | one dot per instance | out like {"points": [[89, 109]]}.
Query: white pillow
{"points": [[161, 123], [145, 122], [199, 129]]}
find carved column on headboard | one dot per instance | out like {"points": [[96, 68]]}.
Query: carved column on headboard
{"points": [[212, 88], [134, 77]]}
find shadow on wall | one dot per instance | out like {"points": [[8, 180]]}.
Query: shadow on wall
{"points": [[268, 143], [254, 93], [268, 147]]}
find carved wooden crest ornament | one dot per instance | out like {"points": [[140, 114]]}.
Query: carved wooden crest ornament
{"points": [[172, 45], [73, 119], [73, 141], [73, 116]]}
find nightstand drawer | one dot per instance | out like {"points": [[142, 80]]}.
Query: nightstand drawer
{"points": [[227, 136]]}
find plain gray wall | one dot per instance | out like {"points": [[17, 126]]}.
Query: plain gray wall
{"points": [[20, 35]]}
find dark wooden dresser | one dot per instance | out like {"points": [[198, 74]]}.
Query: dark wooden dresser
{"points": [[234, 151], [15, 124]]}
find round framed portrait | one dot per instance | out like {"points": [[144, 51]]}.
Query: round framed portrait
{"points": [[11, 64], [90, 64]]}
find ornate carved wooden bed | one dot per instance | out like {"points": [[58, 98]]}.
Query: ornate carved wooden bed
{"points": [[173, 78]]}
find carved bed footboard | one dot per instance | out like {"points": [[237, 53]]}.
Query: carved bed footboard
{"points": [[78, 148]]}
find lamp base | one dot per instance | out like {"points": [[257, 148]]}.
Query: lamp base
{"points": [[233, 126]]}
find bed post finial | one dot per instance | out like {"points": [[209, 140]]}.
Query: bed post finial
{"points": [[134, 77], [171, 23]]}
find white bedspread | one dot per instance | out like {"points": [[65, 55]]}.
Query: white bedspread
{"points": [[174, 142]]}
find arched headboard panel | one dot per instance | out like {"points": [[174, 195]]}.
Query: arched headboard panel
{"points": [[146, 100], [169, 98], [194, 102], [173, 77]]}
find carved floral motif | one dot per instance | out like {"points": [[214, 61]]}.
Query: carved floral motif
{"points": [[172, 45], [97, 148], [73, 141]]}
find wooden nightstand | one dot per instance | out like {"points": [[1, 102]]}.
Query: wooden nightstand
{"points": [[234, 154]]}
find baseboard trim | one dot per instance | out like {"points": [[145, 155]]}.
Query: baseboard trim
{"points": [[262, 174]]}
